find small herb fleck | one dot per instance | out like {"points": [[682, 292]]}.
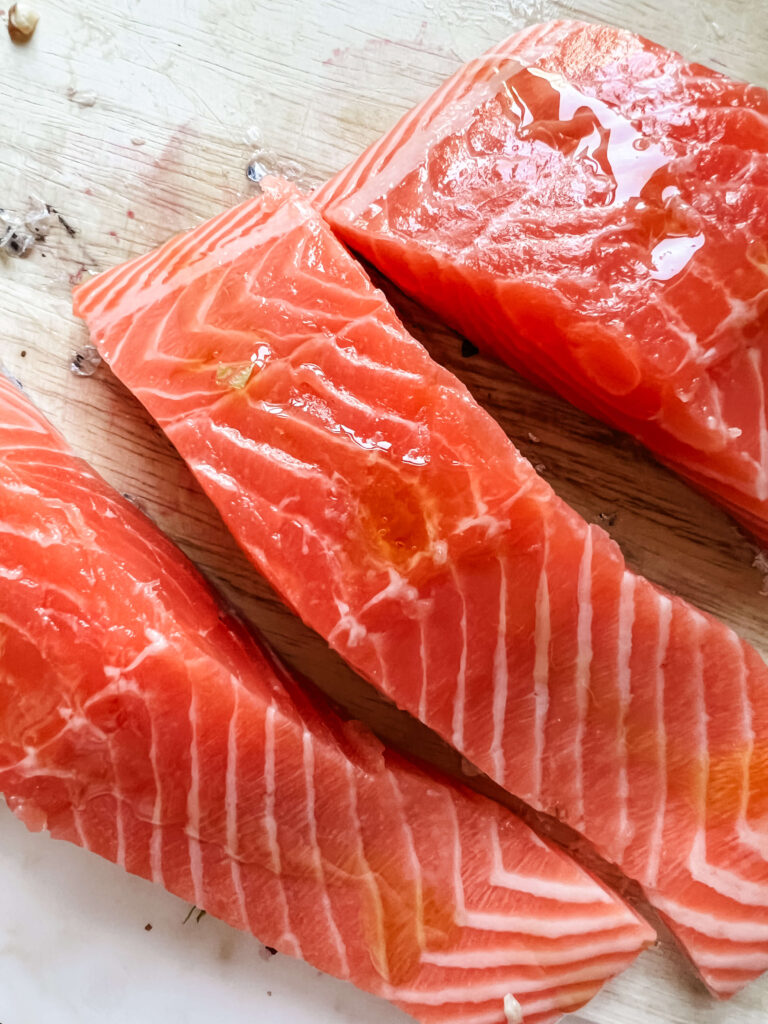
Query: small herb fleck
{"points": [[193, 910], [234, 376], [64, 223]]}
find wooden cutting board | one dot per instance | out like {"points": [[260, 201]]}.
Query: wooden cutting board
{"points": [[136, 119]]}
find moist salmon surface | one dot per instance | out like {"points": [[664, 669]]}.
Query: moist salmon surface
{"points": [[395, 516], [593, 209], [142, 722]]}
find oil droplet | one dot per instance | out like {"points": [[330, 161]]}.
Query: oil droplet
{"points": [[672, 255], [391, 514], [553, 111]]}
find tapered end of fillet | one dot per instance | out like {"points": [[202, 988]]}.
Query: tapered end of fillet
{"points": [[574, 980], [130, 286], [726, 955], [386, 161]]}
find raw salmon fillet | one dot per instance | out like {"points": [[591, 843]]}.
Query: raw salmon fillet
{"points": [[593, 210], [141, 722], [400, 522]]}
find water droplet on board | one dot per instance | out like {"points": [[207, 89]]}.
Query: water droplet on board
{"points": [[85, 362], [265, 161], [717, 31], [81, 97], [256, 171], [20, 231]]}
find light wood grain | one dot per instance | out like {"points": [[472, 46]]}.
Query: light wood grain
{"points": [[137, 119]]}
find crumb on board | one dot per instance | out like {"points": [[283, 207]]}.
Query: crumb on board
{"points": [[22, 22], [147, 927]]}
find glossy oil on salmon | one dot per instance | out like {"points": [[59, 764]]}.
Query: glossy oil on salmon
{"points": [[594, 210]]}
